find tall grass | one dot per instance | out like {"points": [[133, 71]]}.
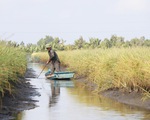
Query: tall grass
{"points": [[40, 57], [123, 68], [12, 65]]}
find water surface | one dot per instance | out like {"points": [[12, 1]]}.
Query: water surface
{"points": [[61, 100]]}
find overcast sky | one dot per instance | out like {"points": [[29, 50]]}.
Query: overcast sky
{"points": [[31, 20]]}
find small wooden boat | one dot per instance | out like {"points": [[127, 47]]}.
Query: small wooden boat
{"points": [[60, 75]]}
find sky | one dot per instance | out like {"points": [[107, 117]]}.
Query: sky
{"points": [[31, 20]]}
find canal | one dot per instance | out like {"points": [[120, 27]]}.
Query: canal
{"points": [[62, 100]]}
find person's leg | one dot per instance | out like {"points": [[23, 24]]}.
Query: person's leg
{"points": [[57, 66], [52, 68]]}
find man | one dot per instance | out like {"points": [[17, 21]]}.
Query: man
{"points": [[53, 60]]}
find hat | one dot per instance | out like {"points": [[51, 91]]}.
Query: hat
{"points": [[48, 46]]}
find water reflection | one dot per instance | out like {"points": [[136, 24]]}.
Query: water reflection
{"points": [[55, 89], [84, 96], [55, 92]]}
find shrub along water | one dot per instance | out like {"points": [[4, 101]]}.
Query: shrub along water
{"points": [[123, 68], [13, 65], [39, 57]]}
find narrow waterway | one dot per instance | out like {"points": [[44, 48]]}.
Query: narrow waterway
{"points": [[61, 100]]}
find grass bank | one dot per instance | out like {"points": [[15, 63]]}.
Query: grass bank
{"points": [[13, 65], [122, 68]]}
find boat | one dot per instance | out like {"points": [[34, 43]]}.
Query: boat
{"points": [[63, 75]]}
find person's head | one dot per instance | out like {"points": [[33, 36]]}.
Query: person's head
{"points": [[48, 47]]}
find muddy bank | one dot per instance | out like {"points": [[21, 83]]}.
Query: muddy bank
{"points": [[20, 100], [130, 98]]}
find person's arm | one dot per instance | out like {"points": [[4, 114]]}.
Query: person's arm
{"points": [[48, 61]]}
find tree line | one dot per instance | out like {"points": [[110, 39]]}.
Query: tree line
{"points": [[80, 43]]}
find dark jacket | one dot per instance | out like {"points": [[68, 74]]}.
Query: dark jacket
{"points": [[53, 56]]}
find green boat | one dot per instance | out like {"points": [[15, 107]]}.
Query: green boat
{"points": [[60, 75]]}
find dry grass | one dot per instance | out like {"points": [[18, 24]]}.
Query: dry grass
{"points": [[124, 68], [13, 65]]}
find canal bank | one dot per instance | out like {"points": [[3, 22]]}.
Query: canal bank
{"points": [[21, 99], [130, 98], [133, 98], [56, 103]]}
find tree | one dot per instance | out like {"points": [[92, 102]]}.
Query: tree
{"points": [[79, 43], [94, 42], [46, 40], [127, 44], [147, 43], [22, 43], [106, 43], [137, 42], [119, 42], [116, 41]]}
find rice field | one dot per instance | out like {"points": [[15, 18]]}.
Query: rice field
{"points": [[12, 65], [123, 68]]}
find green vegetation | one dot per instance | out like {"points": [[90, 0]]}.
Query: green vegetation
{"points": [[110, 63], [80, 43], [92, 43], [122, 68], [13, 65], [40, 57]]}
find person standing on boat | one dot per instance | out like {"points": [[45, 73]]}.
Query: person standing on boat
{"points": [[53, 60]]}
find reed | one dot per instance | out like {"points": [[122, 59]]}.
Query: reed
{"points": [[13, 65], [39, 57], [123, 68]]}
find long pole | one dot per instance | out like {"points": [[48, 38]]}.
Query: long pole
{"points": [[42, 70]]}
